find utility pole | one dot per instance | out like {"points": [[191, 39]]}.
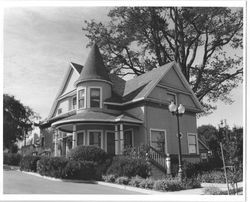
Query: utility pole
{"points": [[222, 155]]}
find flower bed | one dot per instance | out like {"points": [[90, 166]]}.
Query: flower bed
{"points": [[167, 184]]}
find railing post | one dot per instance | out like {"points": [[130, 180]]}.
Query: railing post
{"points": [[168, 165]]}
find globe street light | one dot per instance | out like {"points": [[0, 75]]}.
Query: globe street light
{"points": [[178, 112]]}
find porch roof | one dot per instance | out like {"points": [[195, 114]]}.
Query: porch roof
{"points": [[88, 116]]}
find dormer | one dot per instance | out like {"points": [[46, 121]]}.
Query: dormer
{"points": [[93, 85]]}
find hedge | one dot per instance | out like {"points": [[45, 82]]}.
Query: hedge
{"points": [[126, 166], [61, 167], [88, 153], [28, 163], [12, 159]]}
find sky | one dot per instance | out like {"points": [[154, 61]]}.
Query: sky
{"points": [[39, 44]]}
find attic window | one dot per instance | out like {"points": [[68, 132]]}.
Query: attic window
{"points": [[95, 97], [59, 111]]}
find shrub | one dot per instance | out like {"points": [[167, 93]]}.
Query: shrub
{"points": [[83, 170], [88, 153], [212, 191], [60, 167], [122, 180], [212, 177], [168, 185], [191, 183], [29, 163], [126, 166], [194, 169], [12, 159], [109, 178], [147, 183], [135, 181], [52, 166]]}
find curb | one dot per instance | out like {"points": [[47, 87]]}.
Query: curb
{"points": [[129, 188], [57, 179]]}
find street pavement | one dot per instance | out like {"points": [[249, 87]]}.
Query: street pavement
{"points": [[16, 182]]}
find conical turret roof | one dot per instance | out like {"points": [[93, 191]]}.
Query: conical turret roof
{"points": [[94, 67]]}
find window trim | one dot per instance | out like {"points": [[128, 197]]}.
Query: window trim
{"points": [[89, 98], [197, 146], [85, 96], [129, 129], [161, 130], [88, 137], [84, 138]]}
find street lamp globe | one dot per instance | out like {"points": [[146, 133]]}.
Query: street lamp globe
{"points": [[172, 107], [181, 109]]}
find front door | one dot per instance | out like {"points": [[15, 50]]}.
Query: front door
{"points": [[110, 142]]}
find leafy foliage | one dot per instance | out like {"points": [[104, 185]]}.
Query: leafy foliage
{"points": [[88, 153], [126, 166], [29, 163], [12, 159], [138, 39], [17, 120], [60, 167]]}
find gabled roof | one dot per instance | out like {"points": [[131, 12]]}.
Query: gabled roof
{"points": [[77, 67], [139, 87], [94, 67]]}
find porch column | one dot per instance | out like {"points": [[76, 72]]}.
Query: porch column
{"points": [[74, 138], [56, 142], [121, 138], [117, 141]]}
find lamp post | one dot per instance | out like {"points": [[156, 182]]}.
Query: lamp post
{"points": [[178, 112]]}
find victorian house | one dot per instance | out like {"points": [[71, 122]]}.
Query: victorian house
{"points": [[94, 107]]}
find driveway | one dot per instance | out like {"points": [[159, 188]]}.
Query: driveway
{"points": [[16, 182]]}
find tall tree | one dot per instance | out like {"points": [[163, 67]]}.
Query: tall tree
{"points": [[18, 120], [138, 39]]}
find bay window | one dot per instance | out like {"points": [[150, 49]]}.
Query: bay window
{"points": [[95, 138], [95, 97], [73, 102], [81, 98]]}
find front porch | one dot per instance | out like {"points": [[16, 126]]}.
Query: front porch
{"points": [[113, 138]]}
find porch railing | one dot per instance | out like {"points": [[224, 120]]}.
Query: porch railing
{"points": [[157, 158]]}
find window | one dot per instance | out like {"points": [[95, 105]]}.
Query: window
{"points": [[158, 140], [192, 144], [95, 138], [128, 135], [171, 97], [79, 140], [59, 111], [95, 97], [73, 102], [81, 98], [42, 142]]}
